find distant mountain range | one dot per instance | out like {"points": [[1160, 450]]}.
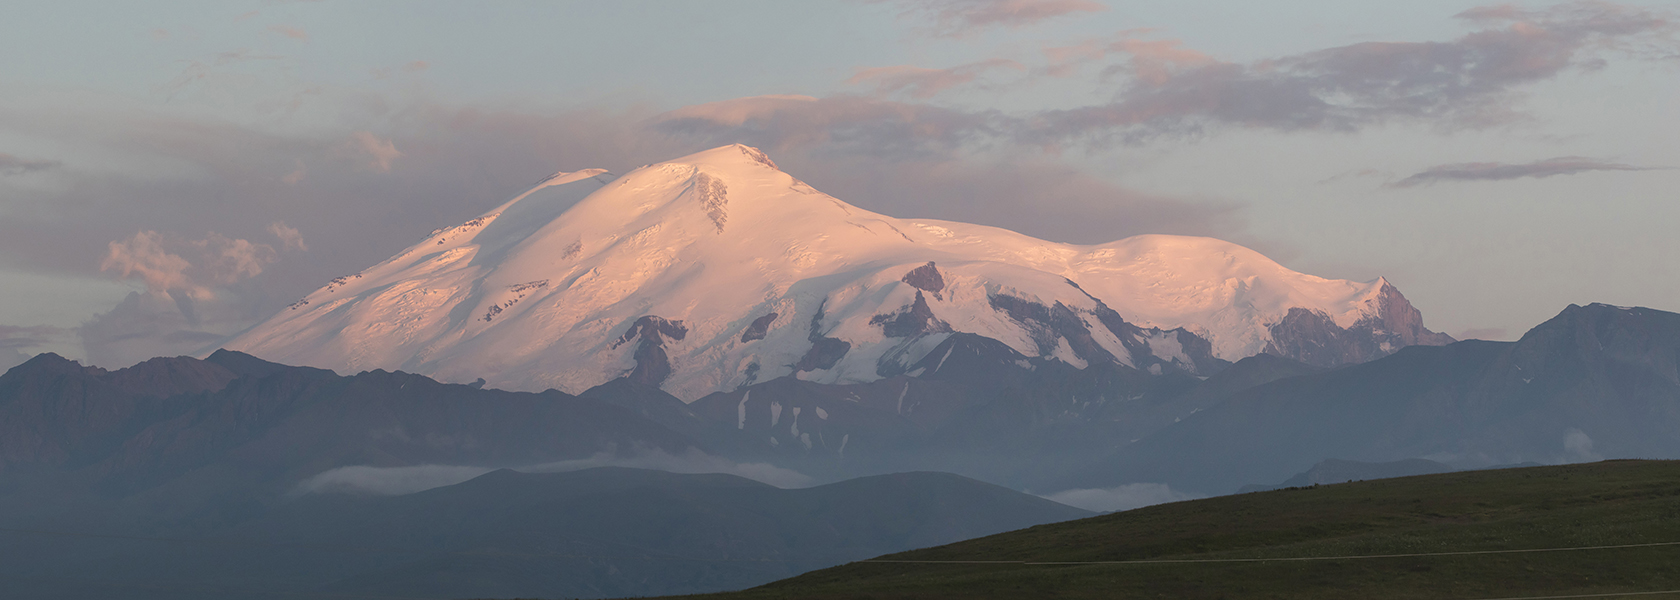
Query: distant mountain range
{"points": [[717, 270], [1594, 382], [235, 477], [231, 447]]}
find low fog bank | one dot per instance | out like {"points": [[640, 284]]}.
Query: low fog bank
{"points": [[1119, 498], [393, 481]]}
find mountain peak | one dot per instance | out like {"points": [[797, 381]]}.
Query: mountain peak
{"points": [[730, 155], [767, 277]]}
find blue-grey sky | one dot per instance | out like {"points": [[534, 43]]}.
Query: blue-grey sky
{"points": [[172, 171]]}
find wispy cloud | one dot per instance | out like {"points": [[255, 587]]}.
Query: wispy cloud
{"points": [[413, 66], [1474, 81], [923, 83], [391, 481], [291, 32], [18, 343], [1495, 171], [156, 259], [290, 239], [194, 295], [1125, 497], [1469, 82], [12, 165], [859, 123], [378, 152], [962, 17], [1151, 61], [198, 71]]}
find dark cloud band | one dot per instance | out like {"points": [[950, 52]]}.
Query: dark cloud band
{"points": [[1494, 171]]}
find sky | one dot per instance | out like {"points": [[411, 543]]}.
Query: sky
{"points": [[173, 172]]}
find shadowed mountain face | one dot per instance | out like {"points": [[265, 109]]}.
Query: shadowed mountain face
{"points": [[284, 467], [182, 436], [1594, 382], [605, 532]]}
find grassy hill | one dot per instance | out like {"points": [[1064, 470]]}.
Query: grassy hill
{"points": [[1600, 504]]}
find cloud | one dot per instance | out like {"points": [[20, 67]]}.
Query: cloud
{"points": [[194, 296], [1493, 171], [12, 165], [1152, 62], [1034, 196], [847, 123], [291, 32], [387, 481], [392, 481], [378, 152], [1469, 82], [923, 83], [962, 17], [143, 256], [1125, 497], [1577, 447], [413, 66], [156, 259], [297, 174], [198, 71], [694, 461], [1474, 81], [290, 239]]}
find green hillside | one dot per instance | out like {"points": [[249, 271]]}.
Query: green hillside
{"points": [[1588, 505]]}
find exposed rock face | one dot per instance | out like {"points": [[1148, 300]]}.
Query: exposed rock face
{"points": [[1153, 349], [913, 320], [759, 328], [825, 351], [652, 364], [1312, 337], [926, 278]]}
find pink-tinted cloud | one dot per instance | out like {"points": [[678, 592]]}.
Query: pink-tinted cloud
{"points": [[378, 153], [960, 17], [297, 173], [143, 257], [291, 32], [1473, 81], [923, 83], [162, 261], [289, 237], [1496, 171]]}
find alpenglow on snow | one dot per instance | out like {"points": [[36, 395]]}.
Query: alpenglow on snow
{"points": [[717, 270]]}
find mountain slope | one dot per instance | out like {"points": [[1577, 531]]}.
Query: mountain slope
{"points": [[717, 270], [1601, 506], [1595, 381], [189, 439]]}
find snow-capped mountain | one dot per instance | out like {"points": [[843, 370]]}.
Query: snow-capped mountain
{"points": [[717, 270]]}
